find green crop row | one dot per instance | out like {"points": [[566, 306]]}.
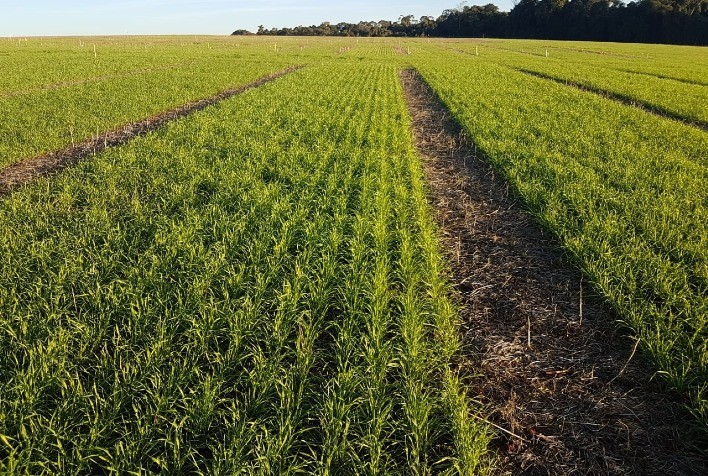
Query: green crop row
{"points": [[254, 289], [36, 65], [50, 63], [56, 92], [46, 120], [33, 64], [688, 102], [623, 190], [681, 63]]}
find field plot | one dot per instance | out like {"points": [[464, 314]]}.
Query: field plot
{"points": [[259, 288], [546, 354], [25, 171], [44, 119], [667, 97], [49, 63], [624, 191], [681, 63], [256, 289]]}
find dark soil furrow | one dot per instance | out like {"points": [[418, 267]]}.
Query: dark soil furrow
{"points": [[545, 354], [23, 172]]}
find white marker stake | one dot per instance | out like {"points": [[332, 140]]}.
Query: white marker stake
{"points": [[94, 52]]}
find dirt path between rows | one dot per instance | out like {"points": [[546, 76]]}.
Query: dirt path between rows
{"points": [[561, 381], [25, 171]]}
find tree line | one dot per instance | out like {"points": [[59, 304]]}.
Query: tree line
{"points": [[641, 21]]}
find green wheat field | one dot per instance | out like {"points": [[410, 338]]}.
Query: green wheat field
{"points": [[260, 288]]}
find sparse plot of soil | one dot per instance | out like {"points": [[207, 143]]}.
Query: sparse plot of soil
{"points": [[547, 357], [23, 172]]}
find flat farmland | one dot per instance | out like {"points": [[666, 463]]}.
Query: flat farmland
{"points": [[263, 284]]}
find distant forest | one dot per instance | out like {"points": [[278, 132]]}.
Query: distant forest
{"points": [[642, 21]]}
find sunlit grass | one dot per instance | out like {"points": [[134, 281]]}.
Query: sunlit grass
{"points": [[257, 288]]}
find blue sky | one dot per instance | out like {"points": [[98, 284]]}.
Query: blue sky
{"points": [[120, 17]]}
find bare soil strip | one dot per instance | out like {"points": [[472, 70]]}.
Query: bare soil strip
{"points": [[545, 354], [626, 100], [23, 172]]}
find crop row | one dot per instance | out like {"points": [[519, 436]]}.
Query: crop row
{"points": [[37, 63], [688, 102], [623, 190], [255, 289], [50, 119], [680, 63], [34, 64]]}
